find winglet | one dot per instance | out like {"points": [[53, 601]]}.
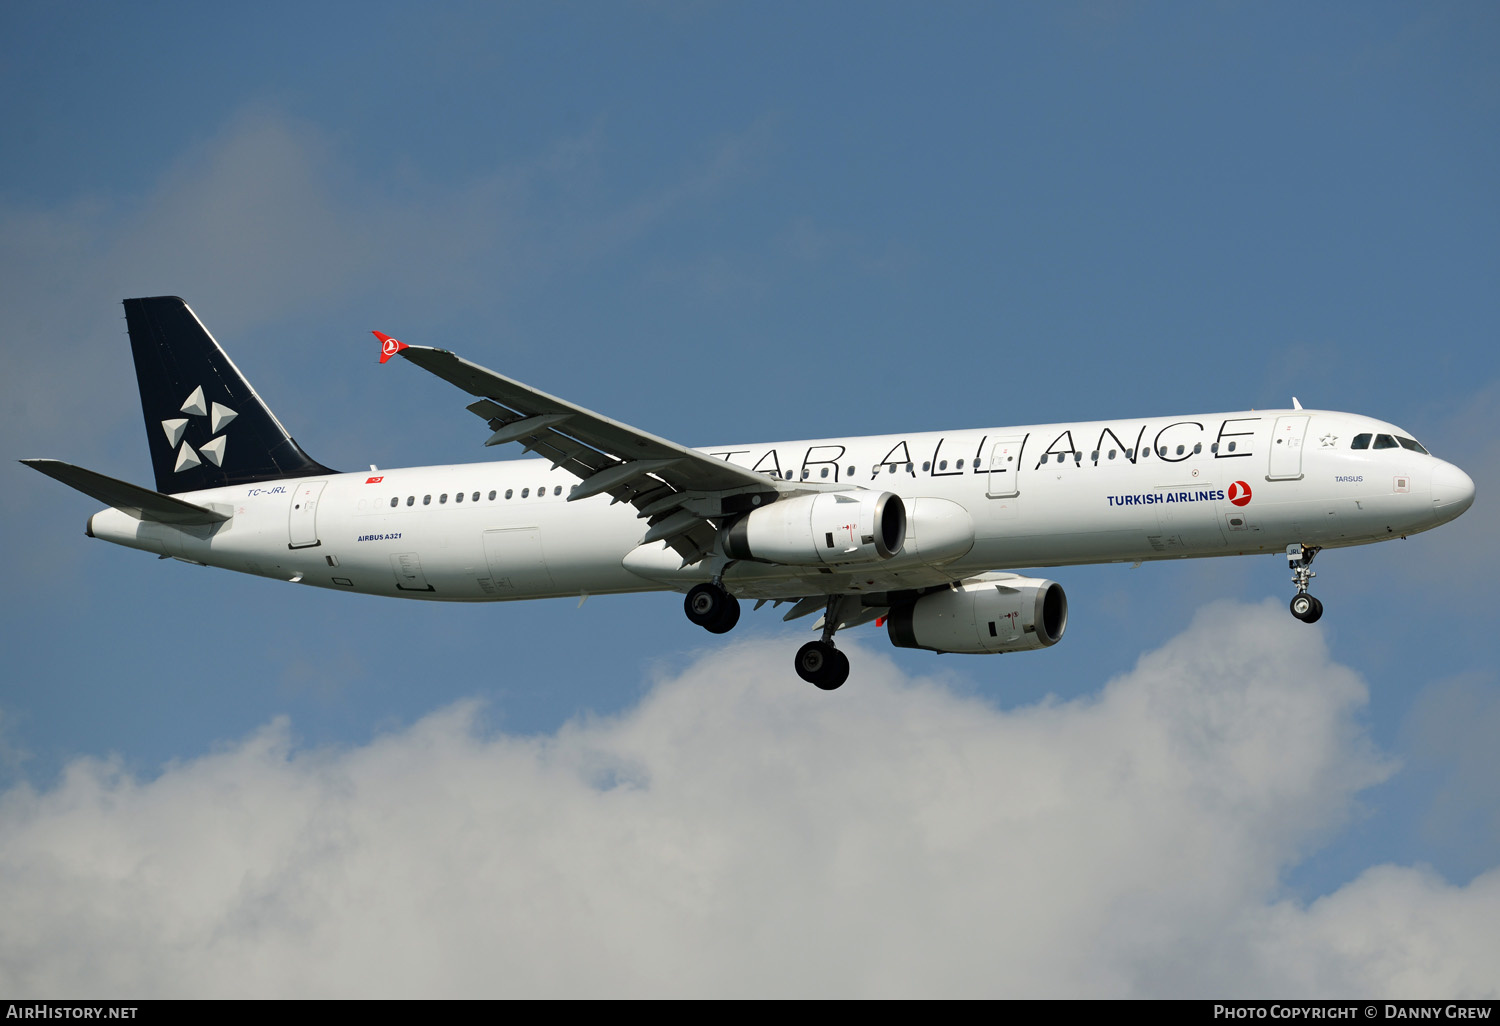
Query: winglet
{"points": [[389, 347]]}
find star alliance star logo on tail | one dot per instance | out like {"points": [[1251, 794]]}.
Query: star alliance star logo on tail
{"points": [[218, 416]]}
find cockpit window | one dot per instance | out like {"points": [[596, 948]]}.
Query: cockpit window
{"points": [[1362, 441], [1384, 442], [1412, 444]]}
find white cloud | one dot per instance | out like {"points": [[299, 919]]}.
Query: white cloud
{"points": [[739, 834]]}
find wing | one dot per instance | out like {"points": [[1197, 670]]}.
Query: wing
{"points": [[682, 493]]}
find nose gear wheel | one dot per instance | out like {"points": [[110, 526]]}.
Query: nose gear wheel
{"points": [[1306, 608]]}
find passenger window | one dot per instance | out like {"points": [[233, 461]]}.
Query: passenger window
{"points": [[427, 500], [943, 465], [475, 496], [1412, 444], [1162, 451], [394, 500], [1180, 450], [1112, 453], [1232, 445], [509, 492], [1044, 457], [1094, 456], [492, 496], [849, 472], [823, 472], [1197, 448], [1078, 457], [410, 499], [960, 464], [1362, 441], [442, 498], [1385, 442], [459, 497], [525, 493], [557, 489], [1214, 448], [1130, 454]]}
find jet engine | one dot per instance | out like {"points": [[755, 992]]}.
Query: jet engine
{"points": [[1010, 614], [829, 528]]}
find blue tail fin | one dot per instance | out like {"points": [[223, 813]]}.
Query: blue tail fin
{"points": [[205, 424]]}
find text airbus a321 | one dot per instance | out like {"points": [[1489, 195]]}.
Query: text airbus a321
{"points": [[912, 531]]}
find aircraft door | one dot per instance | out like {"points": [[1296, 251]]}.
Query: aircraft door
{"points": [[1286, 448], [1005, 467], [302, 525], [517, 565]]}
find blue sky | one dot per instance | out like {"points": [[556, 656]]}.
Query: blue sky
{"points": [[721, 222]]}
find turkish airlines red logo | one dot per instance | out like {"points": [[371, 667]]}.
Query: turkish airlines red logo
{"points": [[375, 480], [1239, 493], [389, 347]]}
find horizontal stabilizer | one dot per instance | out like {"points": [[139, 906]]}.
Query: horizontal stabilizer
{"points": [[141, 503]]}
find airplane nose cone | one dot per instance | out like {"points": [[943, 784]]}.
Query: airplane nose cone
{"points": [[1452, 492]]}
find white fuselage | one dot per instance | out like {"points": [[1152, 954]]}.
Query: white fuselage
{"points": [[1035, 496]]}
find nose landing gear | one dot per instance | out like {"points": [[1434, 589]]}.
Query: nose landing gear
{"points": [[1299, 559]]}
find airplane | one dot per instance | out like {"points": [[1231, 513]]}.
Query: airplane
{"points": [[912, 531]]}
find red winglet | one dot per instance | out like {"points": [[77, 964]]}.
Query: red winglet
{"points": [[389, 347]]}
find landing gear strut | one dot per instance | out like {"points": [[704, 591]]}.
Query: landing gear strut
{"points": [[711, 607], [1299, 559], [818, 662]]}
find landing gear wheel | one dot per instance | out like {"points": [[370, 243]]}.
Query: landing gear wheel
{"points": [[712, 608], [728, 618], [1306, 608], [820, 664]]}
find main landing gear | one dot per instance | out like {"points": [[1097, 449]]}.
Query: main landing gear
{"points": [[711, 607], [1299, 558], [818, 662]]}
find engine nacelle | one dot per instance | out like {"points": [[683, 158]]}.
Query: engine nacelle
{"points": [[829, 528], [1009, 615], [937, 531]]}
